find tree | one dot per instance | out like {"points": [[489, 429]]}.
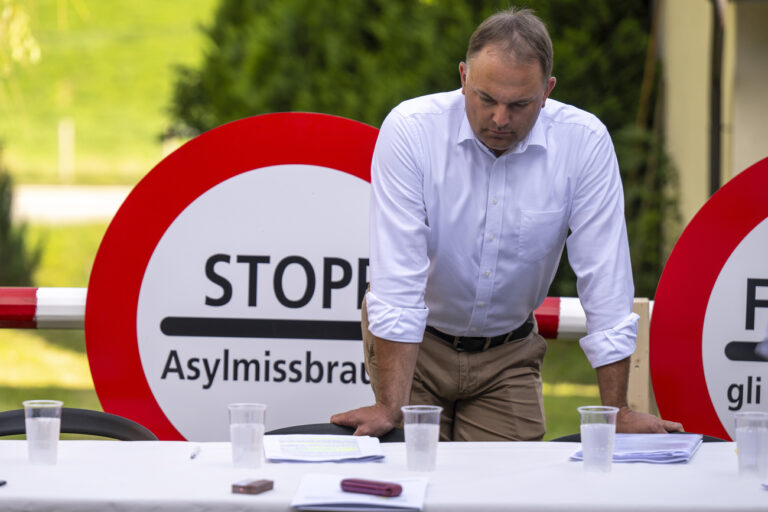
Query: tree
{"points": [[17, 260], [17, 46], [360, 58]]}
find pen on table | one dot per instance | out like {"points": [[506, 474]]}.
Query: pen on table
{"points": [[195, 452]]}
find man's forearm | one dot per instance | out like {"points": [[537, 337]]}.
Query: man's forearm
{"points": [[612, 379], [396, 362]]}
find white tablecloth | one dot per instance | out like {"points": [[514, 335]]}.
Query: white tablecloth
{"points": [[114, 475]]}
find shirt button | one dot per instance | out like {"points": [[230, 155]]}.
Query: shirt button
{"points": [[481, 304], [495, 201], [491, 237], [487, 273], [473, 329]]}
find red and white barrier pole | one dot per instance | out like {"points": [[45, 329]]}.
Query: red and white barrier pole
{"points": [[42, 308], [64, 308]]}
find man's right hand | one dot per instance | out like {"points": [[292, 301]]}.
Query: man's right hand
{"points": [[396, 362], [374, 420]]}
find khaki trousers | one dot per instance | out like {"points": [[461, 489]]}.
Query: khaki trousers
{"points": [[493, 395]]}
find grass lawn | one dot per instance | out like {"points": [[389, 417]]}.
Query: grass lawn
{"points": [[108, 67], [569, 382], [52, 363]]}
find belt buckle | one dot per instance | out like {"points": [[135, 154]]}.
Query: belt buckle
{"points": [[472, 344]]}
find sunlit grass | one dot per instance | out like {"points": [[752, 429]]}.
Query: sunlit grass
{"points": [[30, 361], [69, 251], [561, 414], [109, 70], [560, 389]]}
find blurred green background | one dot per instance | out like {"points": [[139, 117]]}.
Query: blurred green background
{"points": [[107, 67], [129, 77]]}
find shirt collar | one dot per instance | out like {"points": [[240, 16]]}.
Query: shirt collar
{"points": [[536, 137], [465, 131]]}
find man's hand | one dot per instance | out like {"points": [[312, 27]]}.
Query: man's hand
{"points": [[396, 362], [629, 421], [374, 420], [612, 380]]}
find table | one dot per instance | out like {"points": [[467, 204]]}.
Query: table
{"points": [[146, 475]]}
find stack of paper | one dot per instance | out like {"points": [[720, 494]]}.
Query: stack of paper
{"points": [[323, 492], [654, 448], [321, 448]]}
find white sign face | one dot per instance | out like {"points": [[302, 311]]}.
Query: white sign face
{"points": [[252, 295], [711, 310], [736, 318]]}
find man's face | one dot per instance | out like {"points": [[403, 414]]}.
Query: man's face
{"points": [[503, 97]]}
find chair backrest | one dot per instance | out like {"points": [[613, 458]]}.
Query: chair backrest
{"points": [[396, 435], [82, 421]]}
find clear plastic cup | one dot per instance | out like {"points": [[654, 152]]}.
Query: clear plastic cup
{"points": [[598, 432], [422, 432], [42, 421], [246, 433], [752, 443]]}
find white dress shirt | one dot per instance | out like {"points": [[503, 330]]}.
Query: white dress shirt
{"points": [[469, 243]]}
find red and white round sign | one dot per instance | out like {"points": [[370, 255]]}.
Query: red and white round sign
{"points": [[234, 272], [711, 309]]}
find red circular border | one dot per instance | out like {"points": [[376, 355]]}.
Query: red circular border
{"points": [[156, 201], [683, 294]]}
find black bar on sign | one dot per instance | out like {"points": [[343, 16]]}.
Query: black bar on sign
{"points": [[259, 328], [742, 351]]}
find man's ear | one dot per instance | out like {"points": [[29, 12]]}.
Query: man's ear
{"points": [[550, 85], [463, 69]]}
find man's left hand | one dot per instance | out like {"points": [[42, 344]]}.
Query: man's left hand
{"points": [[629, 421]]}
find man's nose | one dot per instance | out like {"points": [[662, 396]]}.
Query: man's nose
{"points": [[501, 116]]}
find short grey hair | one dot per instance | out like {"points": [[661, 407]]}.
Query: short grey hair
{"points": [[518, 31]]}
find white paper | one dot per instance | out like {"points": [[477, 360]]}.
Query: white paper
{"points": [[653, 448], [321, 448], [323, 492]]}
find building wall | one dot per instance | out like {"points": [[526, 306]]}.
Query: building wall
{"points": [[750, 86], [685, 45]]}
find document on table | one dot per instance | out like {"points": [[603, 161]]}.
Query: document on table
{"points": [[323, 492], [321, 448], [654, 448]]}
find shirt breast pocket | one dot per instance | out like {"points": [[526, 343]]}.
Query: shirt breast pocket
{"points": [[541, 232]]}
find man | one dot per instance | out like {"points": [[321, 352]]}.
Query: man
{"points": [[474, 192]]}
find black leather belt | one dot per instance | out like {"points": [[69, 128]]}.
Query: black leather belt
{"points": [[479, 343]]}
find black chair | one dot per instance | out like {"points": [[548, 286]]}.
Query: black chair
{"points": [[396, 435], [576, 438], [82, 421]]}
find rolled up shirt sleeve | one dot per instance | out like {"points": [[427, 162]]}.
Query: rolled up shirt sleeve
{"points": [[393, 323], [399, 232], [611, 345]]}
